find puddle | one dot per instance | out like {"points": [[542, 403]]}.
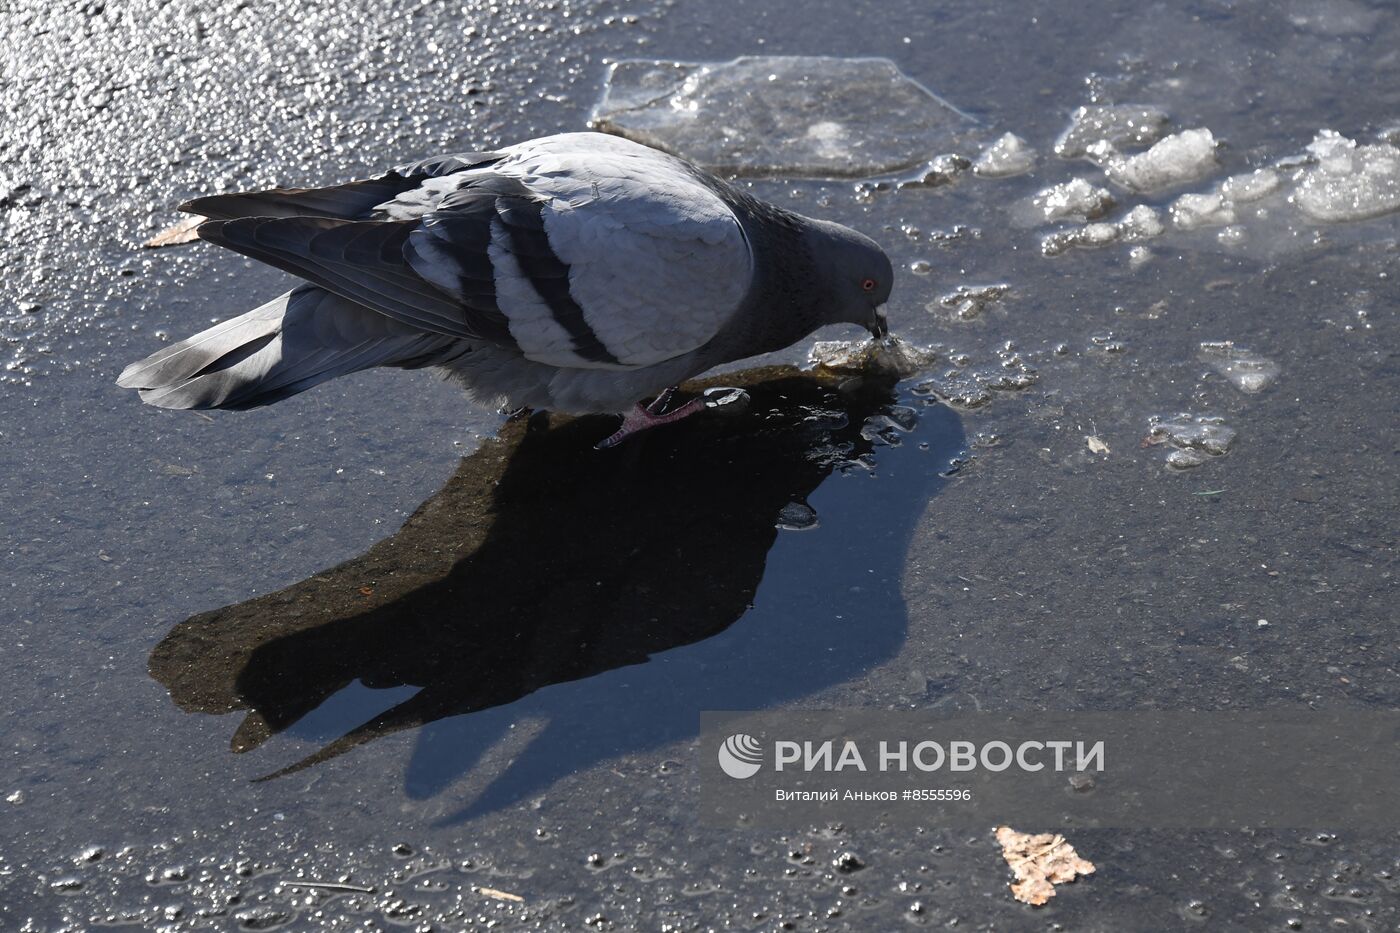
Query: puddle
{"points": [[484, 600]]}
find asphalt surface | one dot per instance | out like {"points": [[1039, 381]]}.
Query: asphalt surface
{"points": [[362, 595]]}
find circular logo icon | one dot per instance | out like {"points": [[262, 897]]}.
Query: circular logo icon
{"points": [[741, 756]]}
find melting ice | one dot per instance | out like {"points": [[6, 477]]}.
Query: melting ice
{"points": [[1193, 439], [1246, 370], [781, 115]]}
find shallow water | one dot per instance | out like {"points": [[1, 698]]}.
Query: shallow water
{"points": [[1047, 572]]}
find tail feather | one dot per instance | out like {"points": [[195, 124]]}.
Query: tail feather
{"points": [[286, 346]]}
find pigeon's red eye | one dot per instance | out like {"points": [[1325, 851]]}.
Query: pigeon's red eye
{"points": [[868, 285]]}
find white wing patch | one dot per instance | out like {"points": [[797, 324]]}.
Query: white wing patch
{"points": [[532, 325], [657, 261]]}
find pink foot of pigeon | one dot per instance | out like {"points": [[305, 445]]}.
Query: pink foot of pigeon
{"points": [[642, 417]]}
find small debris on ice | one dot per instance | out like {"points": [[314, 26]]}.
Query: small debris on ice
{"points": [[1039, 862], [183, 232], [498, 895], [1349, 182], [1177, 159], [1121, 125], [1009, 155], [1246, 370], [892, 355]]}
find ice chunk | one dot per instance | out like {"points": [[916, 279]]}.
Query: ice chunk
{"points": [[1248, 371], [1090, 235], [1194, 438], [940, 170], [972, 387], [892, 355], [1333, 17], [1120, 125], [1140, 223], [1009, 155], [1179, 158], [781, 115], [967, 302], [1329, 144], [1349, 182], [1217, 208], [797, 516], [884, 428], [1250, 186], [1072, 200], [1202, 210]]}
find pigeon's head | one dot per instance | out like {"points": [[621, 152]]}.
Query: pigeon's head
{"points": [[857, 275]]}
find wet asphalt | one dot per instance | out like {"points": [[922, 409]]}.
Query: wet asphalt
{"points": [[369, 595]]}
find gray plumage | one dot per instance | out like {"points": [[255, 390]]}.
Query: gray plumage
{"points": [[579, 273]]}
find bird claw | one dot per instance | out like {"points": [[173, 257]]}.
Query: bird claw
{"points": [[640, 418], [658, 404], [644, 417]]}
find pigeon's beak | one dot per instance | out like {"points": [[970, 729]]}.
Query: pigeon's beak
{"points": [[879, 327]]}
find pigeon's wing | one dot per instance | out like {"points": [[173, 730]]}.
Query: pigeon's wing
{"points": [[368, 262], [578, 251], [604, 253], [391, 196]]}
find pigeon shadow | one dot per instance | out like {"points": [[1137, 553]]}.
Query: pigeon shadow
{"points": [[594, 592]]}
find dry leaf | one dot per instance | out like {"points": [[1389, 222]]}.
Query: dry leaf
{"points": [[1039, 863], [1096, 444], [501, 895], [183, 232]]}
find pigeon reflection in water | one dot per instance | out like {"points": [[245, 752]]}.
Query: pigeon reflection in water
{"points": [[598, 592]]}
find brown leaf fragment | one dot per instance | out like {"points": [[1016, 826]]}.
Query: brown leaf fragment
{"points": [[183, 232], [500, 895], [1039, 862]]}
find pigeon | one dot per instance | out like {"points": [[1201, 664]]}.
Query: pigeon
{"points": [[580, 273]]}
